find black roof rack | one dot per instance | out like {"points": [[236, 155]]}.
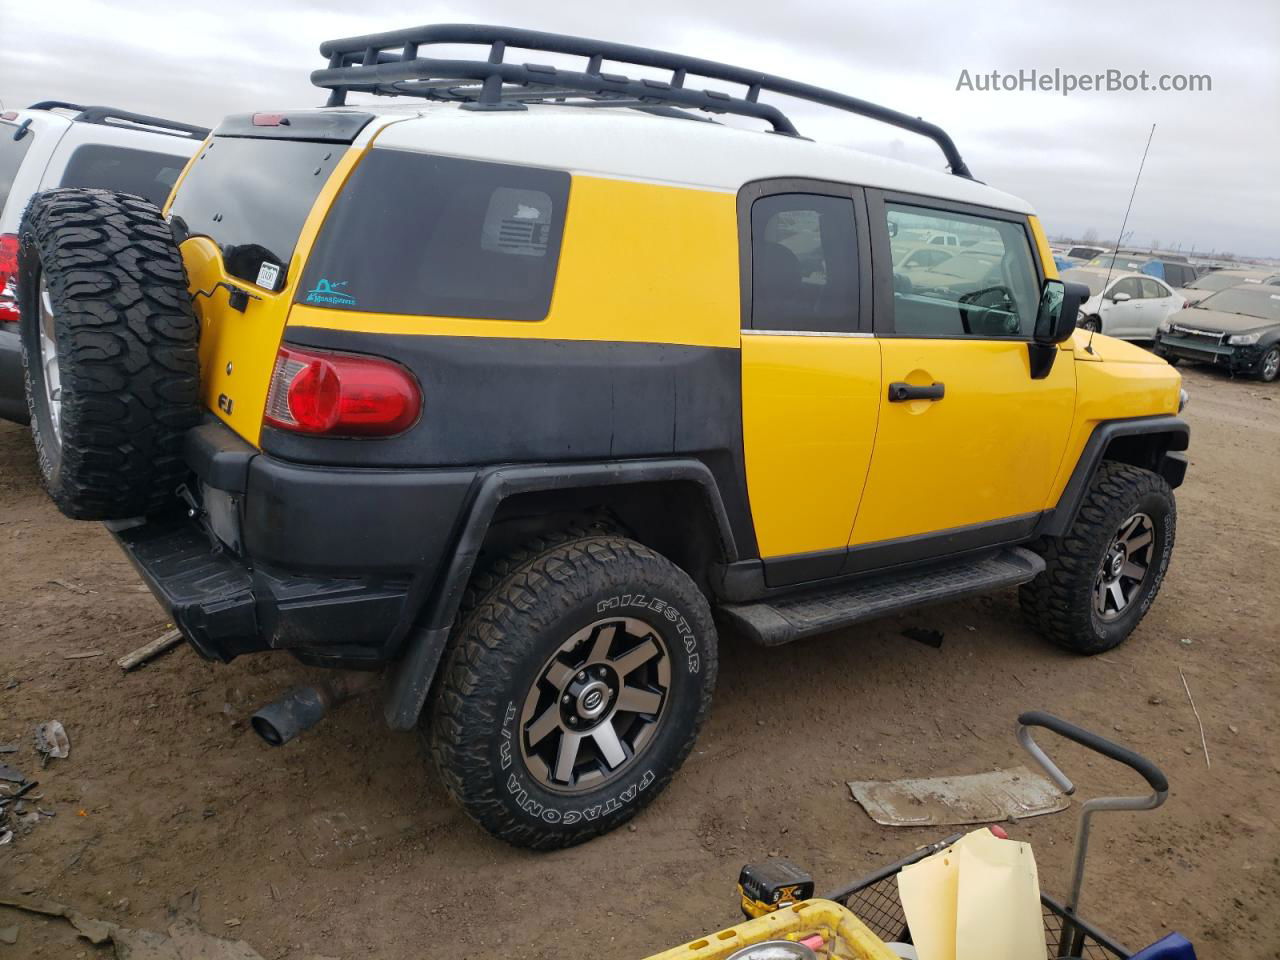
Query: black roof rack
{"points": [[389, 64], [110, 116]]}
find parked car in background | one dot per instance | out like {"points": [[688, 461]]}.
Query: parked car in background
{"points": [[1084, 254], [1202, 287], [1237, 328], [1176, 273], [920, 258], [1130, 306], [57, 144]]}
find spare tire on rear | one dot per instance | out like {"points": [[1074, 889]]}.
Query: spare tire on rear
{"points": [[110, 351]]}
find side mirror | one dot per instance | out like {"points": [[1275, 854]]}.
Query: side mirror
{"points": [[893, 228], [1119, 297], [1059, 307]]}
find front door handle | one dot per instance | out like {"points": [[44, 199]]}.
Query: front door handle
{"points": [[900, 392]]}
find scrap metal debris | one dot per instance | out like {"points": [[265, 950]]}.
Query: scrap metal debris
{"points": [[930, 638], [1013, 794], [183, 940], [73, 587], [52, 741], [148, 651]]}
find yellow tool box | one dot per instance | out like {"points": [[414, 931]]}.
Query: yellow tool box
{"points": [[842, 936]]}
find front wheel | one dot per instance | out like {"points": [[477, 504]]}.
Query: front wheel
{"points": [[574, 689], [1093, 324], [1101, 577], [1269, 365]]}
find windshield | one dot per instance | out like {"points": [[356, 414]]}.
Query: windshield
{"points": [[1090, 279], [251, 197], [1216, 281], [968, 266], [1260, 302]]}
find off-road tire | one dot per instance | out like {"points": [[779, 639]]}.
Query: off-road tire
{"points": [[127, 351], [1263, 361], [1059, 603], [516, 613]]}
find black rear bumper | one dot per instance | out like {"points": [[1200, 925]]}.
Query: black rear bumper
{"points": [[225, 606], [331, 564]]}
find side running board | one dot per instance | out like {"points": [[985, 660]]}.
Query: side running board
{"points": [[780, 621]]}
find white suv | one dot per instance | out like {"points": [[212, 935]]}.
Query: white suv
{"points": [[56, 144]]}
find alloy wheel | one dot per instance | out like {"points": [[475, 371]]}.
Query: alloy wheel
{"points": [[1125, 567], [51, 372], [1271, 364], [598, 701]]}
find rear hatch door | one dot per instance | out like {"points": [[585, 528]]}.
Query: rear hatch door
{"points": [[245, 213]]}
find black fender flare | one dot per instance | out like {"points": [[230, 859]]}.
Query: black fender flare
{"points": [[409, 679], [1168, 461]]}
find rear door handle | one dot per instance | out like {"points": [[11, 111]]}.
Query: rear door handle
{"points": [[900, 392]]}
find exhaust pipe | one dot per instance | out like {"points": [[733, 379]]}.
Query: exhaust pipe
{"points": [[303, 707]]}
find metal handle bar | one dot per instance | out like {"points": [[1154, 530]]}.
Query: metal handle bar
{"points": [[1149, 771]]}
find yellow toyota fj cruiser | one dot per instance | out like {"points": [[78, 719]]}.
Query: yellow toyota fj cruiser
{"points": [[509, 391]]}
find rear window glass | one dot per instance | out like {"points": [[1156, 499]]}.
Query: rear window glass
{"points": [[437, 236], [144, 173], [251, 197], [11, 153]]}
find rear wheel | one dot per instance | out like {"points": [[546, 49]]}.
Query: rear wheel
{"points": [[574, 689], [1101, 577], [1269, 365], [109, 345]]}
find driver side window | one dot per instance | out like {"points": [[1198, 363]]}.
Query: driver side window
{"points": [[986, 285]]}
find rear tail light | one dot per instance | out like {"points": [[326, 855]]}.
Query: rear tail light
{"points": [[8, 278], [341, 395]]}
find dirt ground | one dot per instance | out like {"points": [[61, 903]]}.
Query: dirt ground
{"points": [[342, 844]]}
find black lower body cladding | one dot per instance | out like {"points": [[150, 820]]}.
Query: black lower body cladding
{"points": [[502, 400]]}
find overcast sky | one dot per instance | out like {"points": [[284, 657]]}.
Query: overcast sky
{"points": [[1212, 179]]}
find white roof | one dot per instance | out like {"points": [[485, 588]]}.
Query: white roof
{"points": [[632, 145]]}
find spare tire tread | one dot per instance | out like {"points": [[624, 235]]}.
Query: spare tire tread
{"points": [[128, 343]]}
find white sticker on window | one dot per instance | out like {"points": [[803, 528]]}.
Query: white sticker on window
{"points": [[517, 222], [268, 273]]}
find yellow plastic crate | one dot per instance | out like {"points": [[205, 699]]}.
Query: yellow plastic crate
{"points": [[846, 937]]}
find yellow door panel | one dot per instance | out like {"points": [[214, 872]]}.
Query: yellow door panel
{"points": [[809, 408], [989, 449]]}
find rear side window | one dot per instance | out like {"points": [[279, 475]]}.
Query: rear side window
{"points": [[418, 234], [1153, 290], [804, 263], [144, 173], [251, 197], [11, 153]]}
